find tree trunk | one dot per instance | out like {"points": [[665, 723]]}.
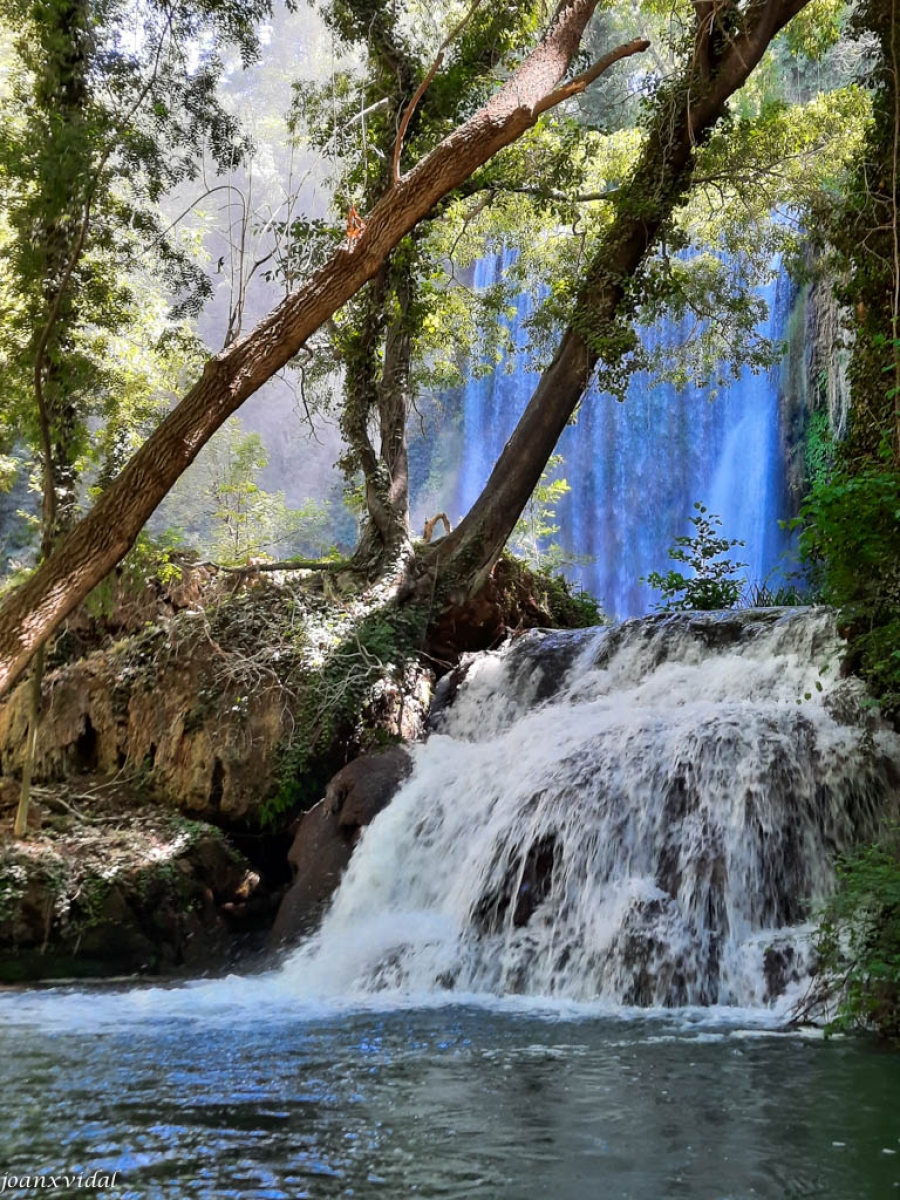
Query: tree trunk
{"points": [[686, 114], [105, 535], [59, 233], [384, 384]]}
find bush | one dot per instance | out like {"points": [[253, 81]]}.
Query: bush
{"points": [[712, 584], [850, 537]]}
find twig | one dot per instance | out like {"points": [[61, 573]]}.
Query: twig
{"points": [[424, 85]]}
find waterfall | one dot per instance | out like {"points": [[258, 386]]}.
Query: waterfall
{"points": [[636, 469], [639, 814]]}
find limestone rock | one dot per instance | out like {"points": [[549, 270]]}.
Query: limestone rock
{"points": [[326, 836]]}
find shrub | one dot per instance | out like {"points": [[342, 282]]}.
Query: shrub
{"points": [[858, 940], [713, 584]]}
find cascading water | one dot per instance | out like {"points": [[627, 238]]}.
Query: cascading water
{"points": [[631, 816], [637, 815], [637, 468]]}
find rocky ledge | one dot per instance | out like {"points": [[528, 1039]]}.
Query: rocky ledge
{"points": [[106, 884]]}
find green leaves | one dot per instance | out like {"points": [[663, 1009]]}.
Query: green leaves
{"points": [[858, 939], [712, 584], [850, 537]]}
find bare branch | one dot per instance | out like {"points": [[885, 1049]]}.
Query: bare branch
{"points": [[424, 86]]}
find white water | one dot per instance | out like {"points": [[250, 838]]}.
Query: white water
{"points": [[606, 821], [647, 833]]}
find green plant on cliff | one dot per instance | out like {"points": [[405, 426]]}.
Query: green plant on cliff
{"points": [[858, 940], [850, 536], [850, 522], [567, 605], [818, 450], [713, 583], [338, 684], [150, 561]]}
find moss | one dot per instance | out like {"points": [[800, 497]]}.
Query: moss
{"points": [[336, 695], [13, 882]]}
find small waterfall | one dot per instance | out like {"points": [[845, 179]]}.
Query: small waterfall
{"points": [[639, 815], [636, 469]]}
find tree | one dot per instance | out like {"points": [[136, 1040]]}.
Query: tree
{"points": [[373, 121], [102, 538], [84, 156], [726, 45]]}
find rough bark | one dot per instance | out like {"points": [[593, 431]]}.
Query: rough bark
{"points": [[386, 536], [686, 113], [105, 535]]}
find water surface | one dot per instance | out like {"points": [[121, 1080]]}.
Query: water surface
{"points": [[455, 1101]]}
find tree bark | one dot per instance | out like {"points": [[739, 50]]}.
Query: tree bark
{"points": [[686, 114], [386, 536], [105, 535]]}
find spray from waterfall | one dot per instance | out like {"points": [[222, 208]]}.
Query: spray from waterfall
{"points": [[636, 469]]}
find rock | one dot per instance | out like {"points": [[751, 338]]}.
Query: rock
{"points": [[146, 893], [781, 968], [326, 836], [186, 711], [171, 725], [526, 885]]}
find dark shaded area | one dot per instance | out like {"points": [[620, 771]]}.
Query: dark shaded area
{"points": [[326, 835]]}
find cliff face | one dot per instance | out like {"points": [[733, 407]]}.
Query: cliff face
{"points": [[165, 755], [205, 749], [815, 393], [207, 709], [117, 887]]}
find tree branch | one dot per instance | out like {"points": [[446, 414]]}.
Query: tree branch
{"points": [[424, 86], [577, 85], [32, 611]]}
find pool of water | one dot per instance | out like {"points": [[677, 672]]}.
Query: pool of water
{"points": [[441, 1101]]}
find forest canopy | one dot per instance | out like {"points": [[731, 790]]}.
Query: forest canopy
{"points": [[203, 202]]}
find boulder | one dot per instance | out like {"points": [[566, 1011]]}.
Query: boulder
{"points": [[327, 834]]}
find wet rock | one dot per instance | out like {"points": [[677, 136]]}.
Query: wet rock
{"points": [[536, 665], [326, 836], [526, 884], [781, 967]]}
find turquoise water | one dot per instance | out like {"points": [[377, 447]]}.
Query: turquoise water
{"points": [[440, 1102]]}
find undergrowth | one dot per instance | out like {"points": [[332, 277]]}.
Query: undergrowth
{"points": [[858, 940]]}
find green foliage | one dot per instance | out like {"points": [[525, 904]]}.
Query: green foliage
{"points": [[850, 535], [858, 939], [96, 125], [782, 595], [568, 606], [816, 29], [337, 693], [713, 584], [150, 563], [818, 450], [230, 516], [530, 540]]}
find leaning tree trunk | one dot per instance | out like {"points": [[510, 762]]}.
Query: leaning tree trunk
{"points": [[721, 63], [106, 534]]}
